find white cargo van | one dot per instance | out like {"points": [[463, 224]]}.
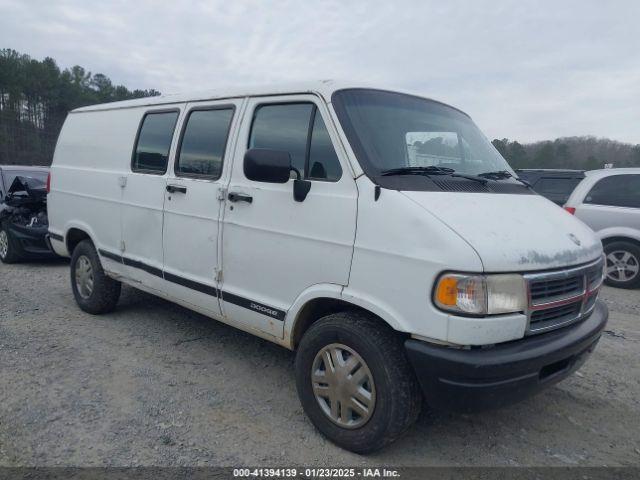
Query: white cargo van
{"points": [[377, 233]]}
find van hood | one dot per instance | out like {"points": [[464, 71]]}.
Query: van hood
{"points": [[513, 233]]}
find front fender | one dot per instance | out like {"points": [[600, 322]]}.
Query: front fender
{"points": [[336, 292]]}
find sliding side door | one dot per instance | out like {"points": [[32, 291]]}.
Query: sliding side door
{"points": [[192, 203]]}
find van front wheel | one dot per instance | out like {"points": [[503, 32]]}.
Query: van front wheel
{"points": [[94, 291], [355, 383]]}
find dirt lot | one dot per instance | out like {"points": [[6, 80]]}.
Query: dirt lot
{"points": [[155, 384]]}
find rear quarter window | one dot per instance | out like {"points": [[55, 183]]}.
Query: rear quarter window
{"points": [[151, 151], [616, 191]]}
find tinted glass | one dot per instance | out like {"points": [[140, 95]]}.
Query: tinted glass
{"points": [[616, 190], [390, 130], [154, 142], [556, 185], [323, 161], [283, 127], [10, 175], [203, 143]]}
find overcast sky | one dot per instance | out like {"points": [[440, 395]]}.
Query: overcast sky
{"points": [[526, 70]]}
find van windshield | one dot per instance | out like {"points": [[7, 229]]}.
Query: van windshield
{"points": [[390, 131]]}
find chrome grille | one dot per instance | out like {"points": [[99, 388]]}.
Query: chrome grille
{"points": [[561, 287], [561, 297]]}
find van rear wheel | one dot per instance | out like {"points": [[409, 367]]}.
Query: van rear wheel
{"points": [[355, 383], [94, 291]]}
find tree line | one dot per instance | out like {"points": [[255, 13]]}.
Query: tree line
{"points": [[35, 96], [582, 153]]}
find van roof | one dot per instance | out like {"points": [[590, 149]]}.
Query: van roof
{"points": [[324, 88]]}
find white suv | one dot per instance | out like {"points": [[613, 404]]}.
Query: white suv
{"points": [[378, 234], [609, 202]]}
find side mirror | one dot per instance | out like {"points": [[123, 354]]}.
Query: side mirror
{"points": [[264, 165], [274, 166]]}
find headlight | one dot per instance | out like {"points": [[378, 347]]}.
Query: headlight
{"points": [[481, 294]]}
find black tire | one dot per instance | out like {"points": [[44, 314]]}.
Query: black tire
{"points": [[634, 251], [398, 398], [12, 254], [106, 291]]}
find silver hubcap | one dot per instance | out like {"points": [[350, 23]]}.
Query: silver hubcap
{"points": [[84, 276], [343, 386], [622, 266], [4, 244]]}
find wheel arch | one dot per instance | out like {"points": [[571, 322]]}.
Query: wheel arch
{"points": [[621, 238], [75, 233], [319, 301], [74, 237]]}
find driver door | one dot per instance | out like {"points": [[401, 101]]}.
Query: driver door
{"points": [[274, 247]]}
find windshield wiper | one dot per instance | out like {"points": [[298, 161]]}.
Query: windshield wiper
{"points": [[477, 178], [428, 170], [431, 170], [503, 175], [497, 175]]}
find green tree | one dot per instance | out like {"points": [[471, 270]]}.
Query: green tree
{"points": [[593, 163], [103, 87], [563, 154], [545, 157], [502, 146], [518, 156], [35, 97]]}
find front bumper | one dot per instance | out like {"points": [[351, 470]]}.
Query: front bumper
{"points": [[478, 379]]}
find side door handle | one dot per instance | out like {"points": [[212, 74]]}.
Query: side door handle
{"points": [[239, 197], [176, 189]]}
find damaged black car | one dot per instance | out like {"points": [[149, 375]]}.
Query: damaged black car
{"points": [[23, 214]]}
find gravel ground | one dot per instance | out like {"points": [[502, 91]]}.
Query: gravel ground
{"points": [[156, 384]]}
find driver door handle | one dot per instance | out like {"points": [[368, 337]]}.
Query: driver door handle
{"points": [[239, 197]]}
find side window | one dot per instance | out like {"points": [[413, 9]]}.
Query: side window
{"points": [[153, 143], [298, 129], [617, 191], [323, 161], [283, 127], [203, 143], [556, 185]]}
